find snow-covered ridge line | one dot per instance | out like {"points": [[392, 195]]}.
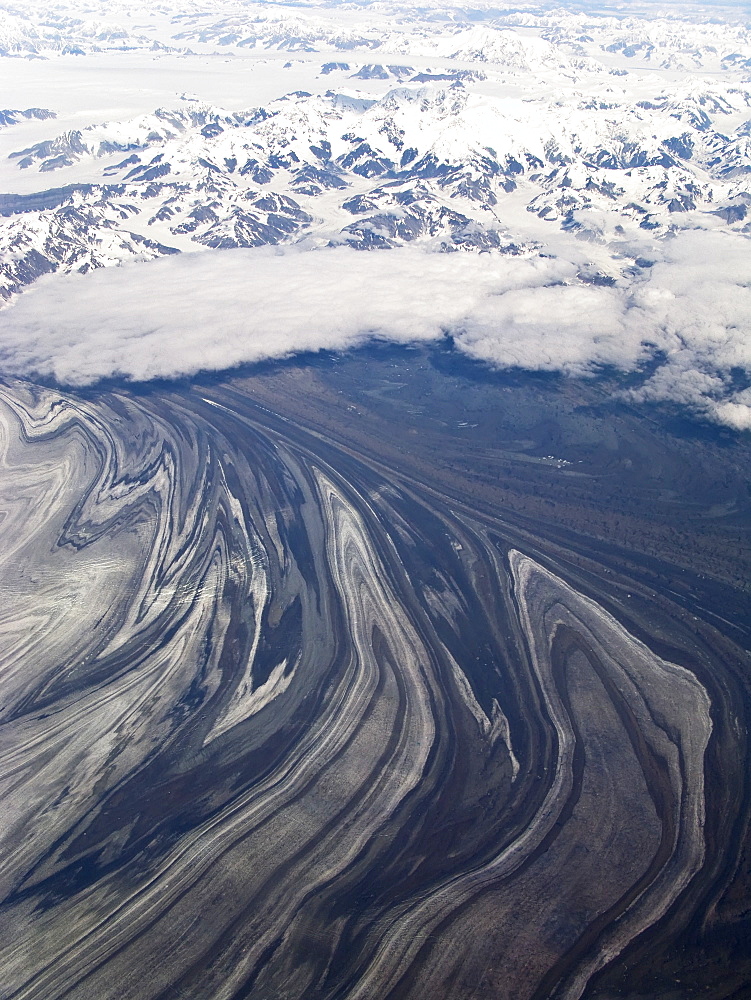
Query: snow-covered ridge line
{"points": [[10, 116], [532, 38], [434, 163]]}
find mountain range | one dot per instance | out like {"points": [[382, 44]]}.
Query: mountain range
{"points": [[482, 137]]}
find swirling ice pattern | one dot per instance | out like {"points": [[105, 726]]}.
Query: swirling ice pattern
{"points": [[273, 726]]}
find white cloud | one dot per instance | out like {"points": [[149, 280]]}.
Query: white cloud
{"points": [[559, 328], [215, 310], [735, 414]]}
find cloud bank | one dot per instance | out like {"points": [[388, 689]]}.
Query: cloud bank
{"points": [[214, 310]]}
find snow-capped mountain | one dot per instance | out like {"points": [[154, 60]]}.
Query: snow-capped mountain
{"points": [[491, 134], [60, 34], [433, 162], [13, 117], [520, 38]]}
